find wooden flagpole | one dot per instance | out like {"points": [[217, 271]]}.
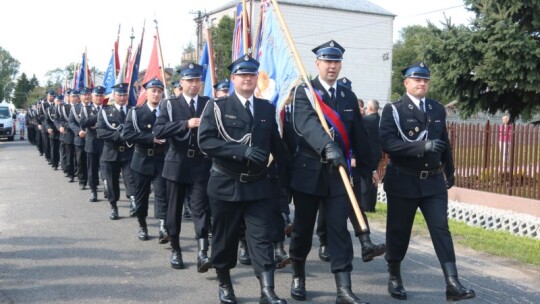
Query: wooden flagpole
{"points": [[342, 172], [244, 27]]}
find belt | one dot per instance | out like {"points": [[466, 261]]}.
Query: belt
{"points": [[422, 174], [242, 177], [191, 153], [122, 148], [150, 152]]}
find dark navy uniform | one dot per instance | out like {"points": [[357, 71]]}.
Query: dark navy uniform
{"points": [[186, 169], [42, 115], [117, 153], [147, 162], [79, 142], [415, 137], [239, 187], [93, 145], [313, 183], [51, 117], [67, 138]]}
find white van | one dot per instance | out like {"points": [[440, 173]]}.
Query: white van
{"points": [[8, 121]]}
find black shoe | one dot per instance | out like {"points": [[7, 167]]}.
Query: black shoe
{"points": [[268, 295], [226, 291], [163, 235], [454, 290], [203, 262], [281, 258], [93, 196], [71, 179], [114, 214], [395, 285], [344, 292], [132, 206], [298, 284], [323, 253], [176, 260], [143, 234], [55, 168], [370, 250], [243, 254], [82, 187]]}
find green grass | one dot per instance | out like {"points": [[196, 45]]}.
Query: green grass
{"points": [[522, 249]]}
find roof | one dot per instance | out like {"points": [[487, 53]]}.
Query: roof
{"points": [[361, 6]]}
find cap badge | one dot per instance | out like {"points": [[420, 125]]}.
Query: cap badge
{"points": [[332, 43], [191, 66], [246, 58], [422, 64], [344, 80]]}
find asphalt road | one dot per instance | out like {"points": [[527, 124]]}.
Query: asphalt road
{"points": [[56, 247]]}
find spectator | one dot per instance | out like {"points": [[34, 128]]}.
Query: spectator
{"points": [[22, 124]]}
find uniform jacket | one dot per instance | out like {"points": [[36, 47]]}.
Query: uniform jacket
{"points": [[309, 174], [141, 133], [42, 114], [371, 123], [179, 165], [88, 122], [109, 128], [50, 118], [74, 123], [230, 154], [410, 155], [67, 137]]}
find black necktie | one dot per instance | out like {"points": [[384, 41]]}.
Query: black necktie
{"points": [[333, 96], [287, 114], [122, 114], [248, 110], [421, 106], [192, 107]]}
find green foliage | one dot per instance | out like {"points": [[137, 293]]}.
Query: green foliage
{"points": [[222, 37], [494, 64], [23, 87], [9, 67], [58, 77]]}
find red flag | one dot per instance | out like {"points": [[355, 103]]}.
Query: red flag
{"points": [[152, 71]]}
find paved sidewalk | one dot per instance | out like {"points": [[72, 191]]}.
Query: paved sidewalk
{"points": [[56, 247]]}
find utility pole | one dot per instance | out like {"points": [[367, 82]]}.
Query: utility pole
{"points": [[199, 31]]}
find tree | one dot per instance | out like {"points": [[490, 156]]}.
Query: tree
{"points": [[494, 64], [222, 37], [9, 68], [22, 89]]}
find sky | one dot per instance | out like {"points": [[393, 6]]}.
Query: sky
{"points": [[50, 34]]}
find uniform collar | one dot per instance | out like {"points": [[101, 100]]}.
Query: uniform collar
{"points": [[326, 86], [416, 101]]}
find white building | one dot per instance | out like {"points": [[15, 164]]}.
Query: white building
{"points": [[361, 27]]}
